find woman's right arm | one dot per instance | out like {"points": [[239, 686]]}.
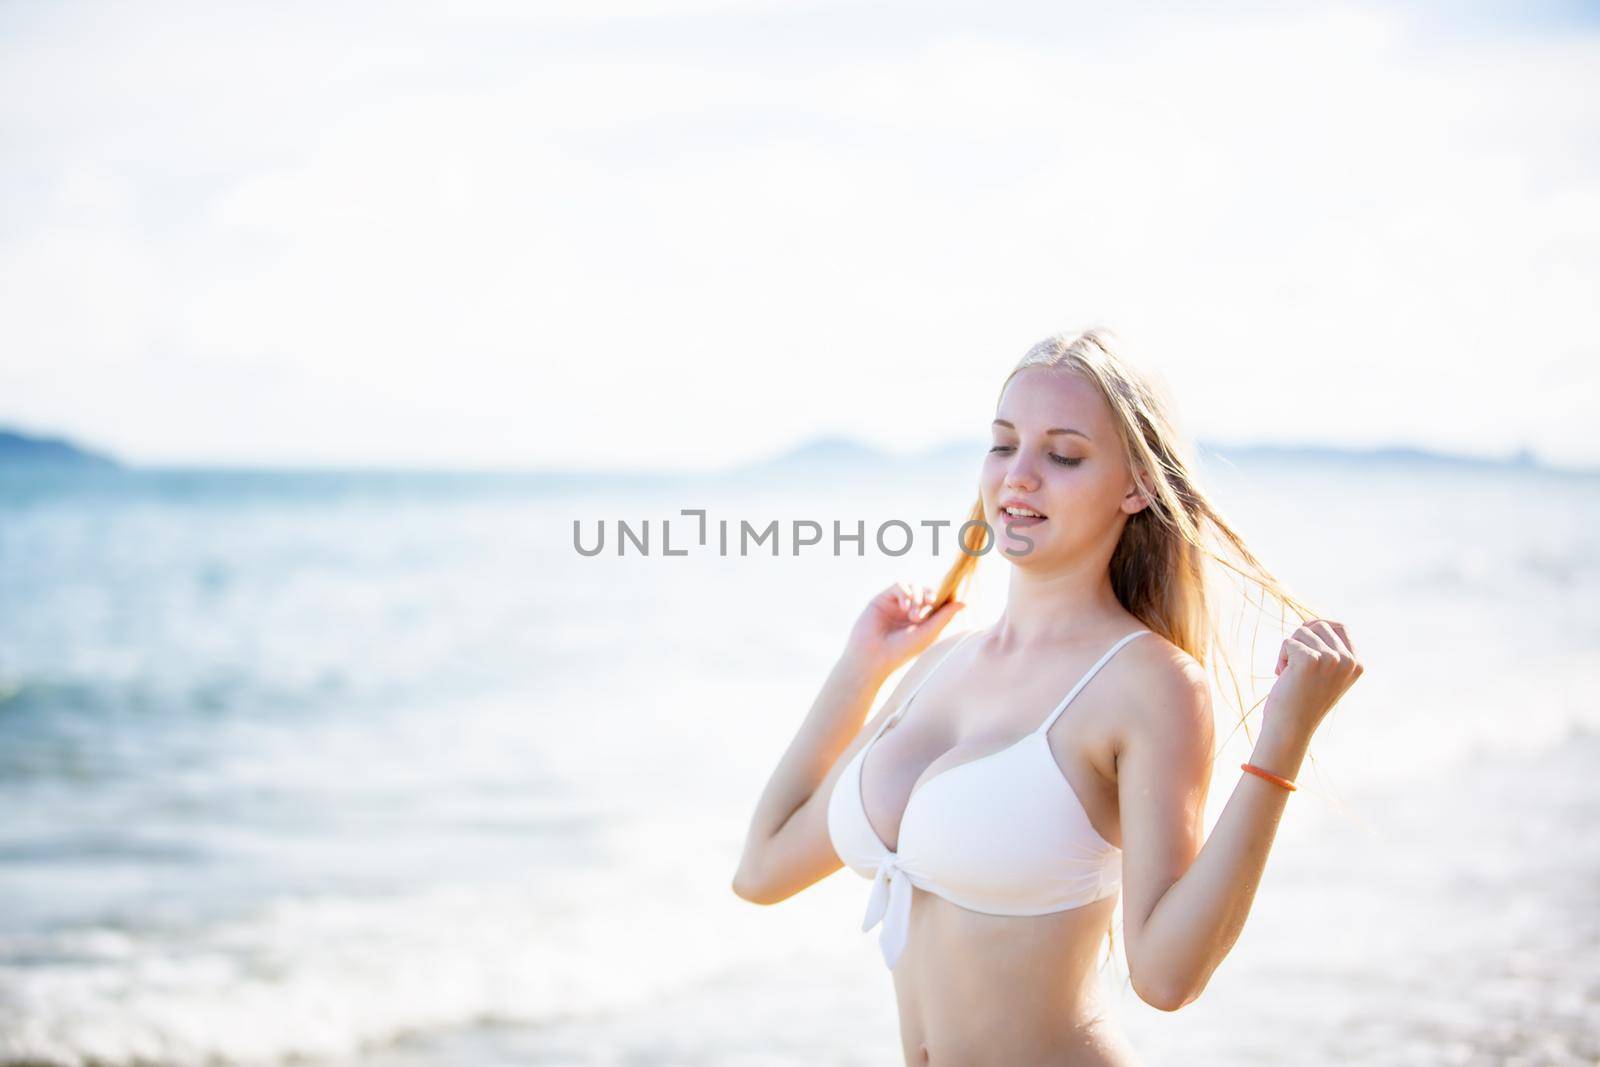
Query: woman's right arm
{"points": [[787, 846]]}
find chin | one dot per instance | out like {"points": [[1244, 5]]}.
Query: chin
{"points": [[1027, 552]]}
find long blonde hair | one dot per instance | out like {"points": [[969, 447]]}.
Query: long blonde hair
{"points": [[1158, 569]]}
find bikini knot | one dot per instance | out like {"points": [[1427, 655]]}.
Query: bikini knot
{"points": [[890, 903]]}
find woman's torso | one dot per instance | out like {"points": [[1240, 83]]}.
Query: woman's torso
{"points": [[974, 987]]}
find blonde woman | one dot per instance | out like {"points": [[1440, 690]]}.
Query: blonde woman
{"points": [[1023, 776]]}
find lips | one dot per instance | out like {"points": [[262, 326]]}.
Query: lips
{"points": [[1037, 516]]}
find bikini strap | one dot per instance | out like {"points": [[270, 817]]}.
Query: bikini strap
{"points": [[1112, 651], [906, 703]]}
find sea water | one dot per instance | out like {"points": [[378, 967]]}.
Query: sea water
{"points": [[377, 768]]}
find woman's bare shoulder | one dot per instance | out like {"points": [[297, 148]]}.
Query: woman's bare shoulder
{"points": [[1161, 658], [1168, 687]]}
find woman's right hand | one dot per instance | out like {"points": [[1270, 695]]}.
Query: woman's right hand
{"points": [[895, 626]]}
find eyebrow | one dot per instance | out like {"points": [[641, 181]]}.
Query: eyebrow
{"points": [[1058, 429]]}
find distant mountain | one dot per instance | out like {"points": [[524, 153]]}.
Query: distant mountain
{"points": [[17, 449], [955, 451], [825, 452], [1523, 458], [836, 454], [837, 451]]}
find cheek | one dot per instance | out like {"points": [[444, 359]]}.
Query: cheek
{"points": [[1102, 494], [1079, 492]]}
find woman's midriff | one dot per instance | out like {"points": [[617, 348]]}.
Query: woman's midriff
{"points": [[975, 989]]}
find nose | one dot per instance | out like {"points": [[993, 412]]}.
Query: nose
{"points": [[1020, 475]]}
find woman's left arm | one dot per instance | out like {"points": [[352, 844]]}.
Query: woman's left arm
{"points": [[1185, 905]]}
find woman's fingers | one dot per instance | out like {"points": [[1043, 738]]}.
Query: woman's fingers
{"points": [[1324, 629], [907, 604], [1295, 649], [912, 601], [1308, 636], [925, 632], [1324, 647]]}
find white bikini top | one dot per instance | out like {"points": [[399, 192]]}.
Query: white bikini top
{"points": [[1004, 833]]}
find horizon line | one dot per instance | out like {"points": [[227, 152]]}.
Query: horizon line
{"points": [[1522, 456]]}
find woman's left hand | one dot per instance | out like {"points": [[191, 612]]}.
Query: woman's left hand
{"points": [[1316, 665]]}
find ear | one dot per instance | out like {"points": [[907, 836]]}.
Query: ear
{"points": [[1137, 498]]}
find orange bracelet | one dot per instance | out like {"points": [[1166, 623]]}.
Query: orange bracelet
{"points": [[1269, 776]]}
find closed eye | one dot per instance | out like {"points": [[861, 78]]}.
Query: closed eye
{"points": [[1063, 460]]}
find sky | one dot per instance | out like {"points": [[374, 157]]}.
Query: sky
{"points": [[618, 234]]}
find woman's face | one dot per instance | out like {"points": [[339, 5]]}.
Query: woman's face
{"points": [[1053, 448]]}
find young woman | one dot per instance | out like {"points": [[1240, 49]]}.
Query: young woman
{"points": [[1057, 758]]}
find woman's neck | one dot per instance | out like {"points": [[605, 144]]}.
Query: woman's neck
{"points": [[1068, 606]]}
